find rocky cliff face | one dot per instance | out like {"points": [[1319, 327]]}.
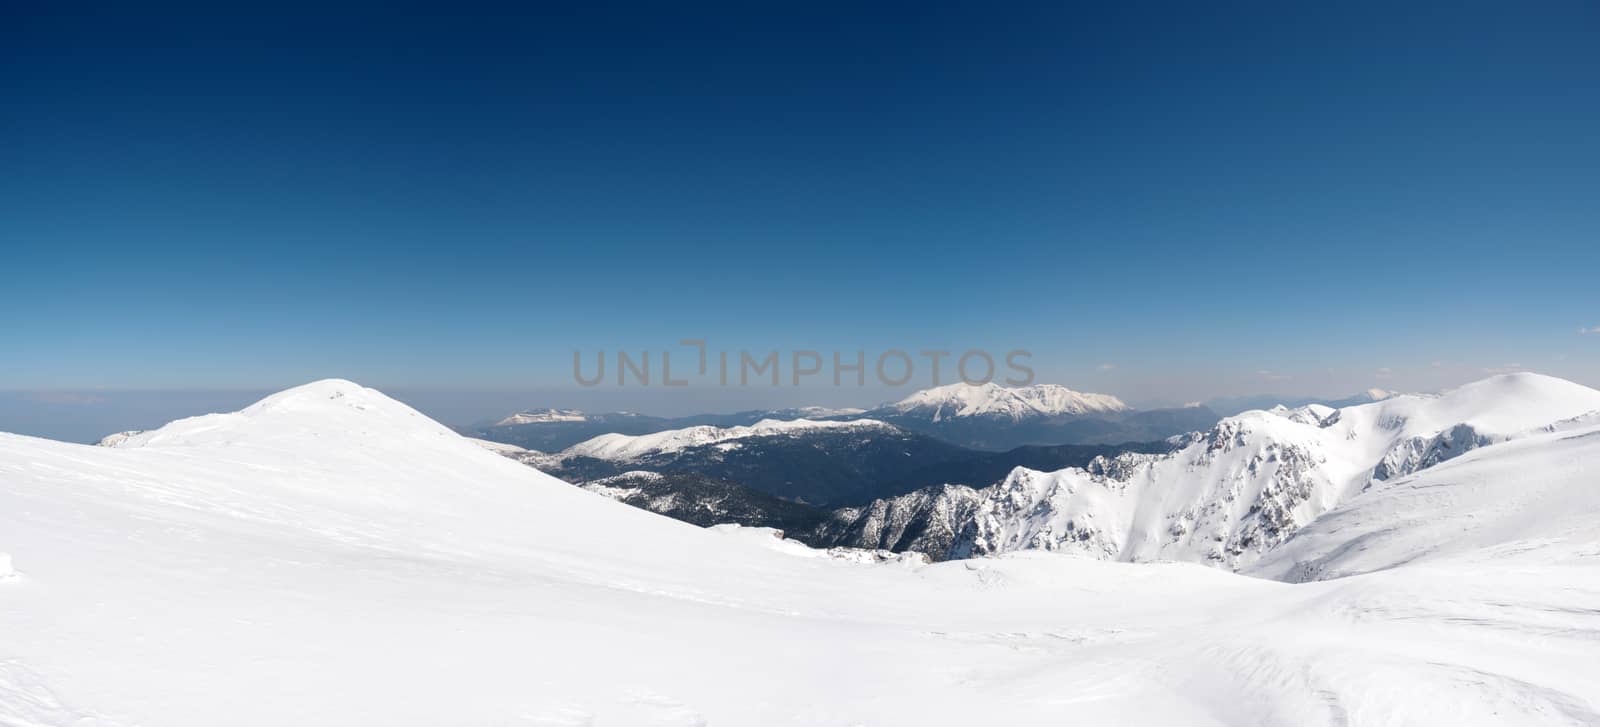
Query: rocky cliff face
{"points": [[926, 521]]}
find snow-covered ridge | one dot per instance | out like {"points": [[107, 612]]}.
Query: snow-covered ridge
{"points": [[542, 416], [559, 416], [627, 447], [810, 412], [993, 400], [1232, 493], [1536, 492]]}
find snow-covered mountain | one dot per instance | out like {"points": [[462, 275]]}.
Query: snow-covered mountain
{"points": [[961, 400], [996, 418], [542, 416], [1537, 492], [814, 412], [988, 417], [1232, 493], [623, 447], [329, 556], [552, 430]]}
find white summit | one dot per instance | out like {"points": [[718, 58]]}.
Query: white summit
{"points": [[993, 400]]}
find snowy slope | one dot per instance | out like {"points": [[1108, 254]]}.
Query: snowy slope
{"points": [[993, 400], [331, 557], [626, 447], [1249, 483], [1538, 495]]}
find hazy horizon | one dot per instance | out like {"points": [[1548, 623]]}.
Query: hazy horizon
{"points": [[87, 415]]}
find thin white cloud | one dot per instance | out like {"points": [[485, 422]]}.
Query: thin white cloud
{"points": [[1385, 372], [1107, 366], [1586, 331]]}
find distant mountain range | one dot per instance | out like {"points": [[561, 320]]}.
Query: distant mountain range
{"points": [[951, 471], [822, 462], [996, 418], [1226, 493], [825, 462], [549, 430], [840, 476], [988, 416], [993, 401], [542, 416], [624, 447], [688, 484]]}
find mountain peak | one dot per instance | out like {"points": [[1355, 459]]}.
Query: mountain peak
{"points": [[1508, 403], [314, 393], [1522, 382], [325, 408], [990, 399]]}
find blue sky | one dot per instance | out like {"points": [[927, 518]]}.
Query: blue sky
{"points": [[1212, 200]]}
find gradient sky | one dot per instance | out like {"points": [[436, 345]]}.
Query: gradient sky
{"points": [[1163, 201]]}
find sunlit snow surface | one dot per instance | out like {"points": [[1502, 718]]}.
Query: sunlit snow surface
{"points": [[331, 557]]}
